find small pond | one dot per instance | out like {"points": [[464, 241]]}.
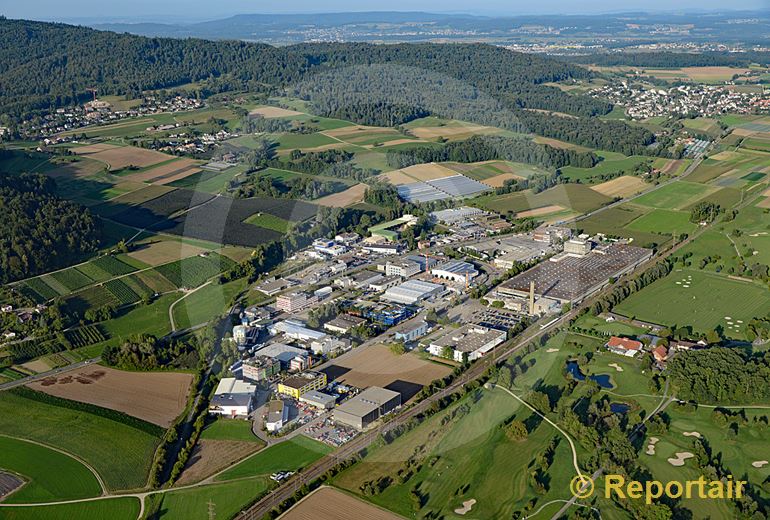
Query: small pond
{"points": [[602, 379]]}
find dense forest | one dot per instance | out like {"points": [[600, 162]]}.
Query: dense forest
{"points": [[44, 65], [40, 232], [675, 59], [486, 148], [720, 375]]}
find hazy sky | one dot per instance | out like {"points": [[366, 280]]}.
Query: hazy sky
{"points": [[208, 9]]}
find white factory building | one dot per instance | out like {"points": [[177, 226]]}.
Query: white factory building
{"points": [[455, 270], [296, 330], [232, 398], [412, 291], [471, 341]]}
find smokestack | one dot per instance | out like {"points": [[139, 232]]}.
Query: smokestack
{"points": [[531, 297]]}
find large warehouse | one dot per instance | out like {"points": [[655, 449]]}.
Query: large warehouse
{"points": [[412, 291], [368, 406], [568, 278], [470, 340], [455, 270]]}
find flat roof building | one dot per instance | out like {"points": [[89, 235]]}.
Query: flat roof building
{"points": [[455, 270], [232, 398], [296, 386], [295, 301], [281, 352], [569, 278], [368, 406], [277, 414], [260, 368], [470, 341], [343, 323], [412, 291], [318, 399], [296, 330]]}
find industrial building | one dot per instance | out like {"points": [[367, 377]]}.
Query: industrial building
{"points": [[343, 323], [577, 246], [368, 406], [404, 269], [260, 368], [469, 342], [281, 352], [390, 230], [411, 331], [232, 398], [570, 278], [359, 280], [277, 415], [318, 399], [385, 283], [295, 386], [453, 216], [412, 291], [455, 270], [295, 329], [294, 301]]}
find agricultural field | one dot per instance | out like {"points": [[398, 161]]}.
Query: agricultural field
{"points": [[160, 250], [676, 195], [49, 474], [207, 303], [113, 508], [111, 265], [122, 292], [703, 300], [350, 196], [119, 157], [89, 436], [612, 163], [72, 279], [155, 397], [664, 221], [267, 221], [194, 271], [289, 455], [225, 499], [621, 187], [378, 366], [728, 167], [84, 336], [327, 503], [572, 197]]}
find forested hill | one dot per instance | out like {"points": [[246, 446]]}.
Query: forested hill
{"points": [[40, 232], [44, 65]]}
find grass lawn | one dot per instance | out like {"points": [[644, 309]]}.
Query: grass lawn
{"points": [[664, 221], [229, 430], [702, 300], [126, 508], [616, 328], [91, 437], [265, 220], [227, 499], [676, 195], [207, 303], [49, 475], [290, 455], [141, 319]]}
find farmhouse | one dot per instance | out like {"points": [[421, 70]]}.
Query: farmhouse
{"points": [[568, 278], [455, 270], [624, 346], [277, 415], [368, 406], [469, 342], [412, 291], [232, 398], [296, 386]]}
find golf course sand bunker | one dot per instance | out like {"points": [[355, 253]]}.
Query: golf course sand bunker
{"points": [[651, 445], [681, 456], [759, 463], [552, 350], [467, 505], [692, 434], [617, 367]]}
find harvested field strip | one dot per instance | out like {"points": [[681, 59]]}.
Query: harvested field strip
{"points": [[112, 265], [122, 292], [350, 196], [155, 281], [167, 169], [138, 286], [623, 186], [159, 251], [153, 398], [157, 210], [328, 503]]}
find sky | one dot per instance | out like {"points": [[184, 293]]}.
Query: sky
{"points": [[187, 10]]}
